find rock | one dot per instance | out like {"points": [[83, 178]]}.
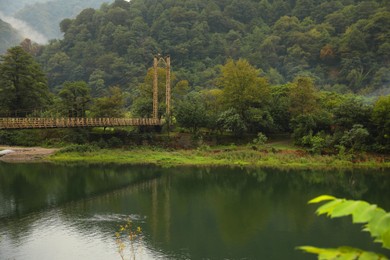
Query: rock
{"points": [[4, 152]]}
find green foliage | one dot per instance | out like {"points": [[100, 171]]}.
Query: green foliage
{"points": [[79, 148], [111, 105], [242, 87], [21, 138], [23, 85], [75, 97], [230, 120], [191, 112], [246, 93], [342, 253], [302, 125], [260, 139], [316, 143], [355, 138], [114, 142], [376, 221], [284, 39], [381, 119], [303, 97], [353, 110]]}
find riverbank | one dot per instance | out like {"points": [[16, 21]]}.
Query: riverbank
{"points": [[223, 156], [274, 156], [26, 154]]}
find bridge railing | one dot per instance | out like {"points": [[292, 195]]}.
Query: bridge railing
{"points": [[28, 123]]}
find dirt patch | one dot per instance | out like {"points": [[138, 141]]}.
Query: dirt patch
{"points": [[26, 154]]}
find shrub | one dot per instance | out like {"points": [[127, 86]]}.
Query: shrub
{"points": [[114, 142], [355, 138], [79, 148], [315, 144], [260, 139]]}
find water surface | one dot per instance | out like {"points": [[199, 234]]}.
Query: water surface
{"points": [[73, 212]]}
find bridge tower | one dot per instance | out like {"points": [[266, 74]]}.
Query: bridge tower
{"points": [[167, 62]]}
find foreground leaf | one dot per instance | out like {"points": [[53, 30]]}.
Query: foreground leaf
{"points": [[342, 253], [328, 208], [322, 198], [377, 220]]}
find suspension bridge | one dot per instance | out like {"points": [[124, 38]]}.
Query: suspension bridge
{"points": [[71, 122], [31, 122]]}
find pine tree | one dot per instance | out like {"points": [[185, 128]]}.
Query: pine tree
{"points": [[23, 85]]}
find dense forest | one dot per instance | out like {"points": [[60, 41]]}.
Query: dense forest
{"points": [[239, 66], [343, 45]]}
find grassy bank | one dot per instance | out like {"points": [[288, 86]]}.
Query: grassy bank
{"points": [[223, 156]]}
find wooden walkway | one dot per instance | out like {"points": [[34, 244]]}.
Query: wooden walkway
{"points": [[29, 123]]}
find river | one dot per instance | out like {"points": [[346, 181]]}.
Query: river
{"points": [[52, 211]]}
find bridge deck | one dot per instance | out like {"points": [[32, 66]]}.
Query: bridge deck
{"points": [[28, 123]]}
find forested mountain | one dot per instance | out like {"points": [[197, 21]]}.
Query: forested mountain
{"points": [[343, 45], [8, 36], [45, 17]]}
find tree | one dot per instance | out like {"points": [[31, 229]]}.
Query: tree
{"points": [[230, 120], [23, 85], [59, 66], [355, 138], [111, 105], [279, 107], [214, 106], [191, 112], [381, 118], [303, 97], [243, 88], [302, 125], [350, 112], [75, 97], [96, 83]]}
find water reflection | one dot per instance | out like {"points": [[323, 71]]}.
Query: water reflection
{"points": [[51, 211]]}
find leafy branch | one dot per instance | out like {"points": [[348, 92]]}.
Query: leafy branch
{"points": [[376, 221]]}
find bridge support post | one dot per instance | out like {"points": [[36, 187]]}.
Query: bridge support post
{"points": [[155, 87], [168, 92], [168, 86]]}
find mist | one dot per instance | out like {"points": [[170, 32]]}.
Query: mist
{"points": [[24, 29]]}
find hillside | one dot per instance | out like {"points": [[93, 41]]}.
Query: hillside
{"points": [[8, 36], [343, 45], [45, 17]]}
